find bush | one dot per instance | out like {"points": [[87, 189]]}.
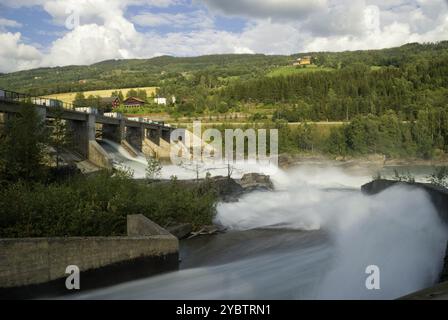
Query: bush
{"points": [[98, 206]]}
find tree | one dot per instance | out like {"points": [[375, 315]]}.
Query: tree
{"points": [[80, 100], [93, 101], [154, 168], [61, 137], [336, 143], [141, 94], [132, 93], [22, 146], [118, 94]]}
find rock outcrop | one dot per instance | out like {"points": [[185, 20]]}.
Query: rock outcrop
{"points": [[230, 189], [444, 276], [256, 182], [181, 231], [438, 195], [227, 188]]}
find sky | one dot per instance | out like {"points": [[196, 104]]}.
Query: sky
{"points": [[49, 33]]}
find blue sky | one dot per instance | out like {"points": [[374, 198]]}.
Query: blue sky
{"points": [[37, 33]]}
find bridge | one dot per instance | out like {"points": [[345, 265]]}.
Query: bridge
{"points": [[86, 125]]}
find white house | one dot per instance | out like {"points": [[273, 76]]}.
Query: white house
{"points": [[161, 101], [164, 101]]}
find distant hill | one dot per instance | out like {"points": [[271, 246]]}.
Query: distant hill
{"points": [[213, 70], [114, 74]]}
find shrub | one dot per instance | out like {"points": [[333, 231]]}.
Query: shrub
{"points": [[98, 206]]}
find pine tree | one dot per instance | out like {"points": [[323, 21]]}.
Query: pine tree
{"points": [[22, 146]]}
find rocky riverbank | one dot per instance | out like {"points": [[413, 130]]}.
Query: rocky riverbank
{"points": [[228, 190]]}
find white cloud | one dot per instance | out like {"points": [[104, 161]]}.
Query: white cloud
{"points": [[6, 23], [196, 19], [15, 55], [272, 26], [290, 9]]}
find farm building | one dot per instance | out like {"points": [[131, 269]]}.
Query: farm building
{"points": [[305, 61], [160, 101], [164, 101], [133, 102], [110, 102]]}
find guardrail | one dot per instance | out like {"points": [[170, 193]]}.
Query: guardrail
{"points": [[16, 97]]}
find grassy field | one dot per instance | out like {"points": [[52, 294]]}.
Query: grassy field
{"points": [[69, 97], [291, 70]]}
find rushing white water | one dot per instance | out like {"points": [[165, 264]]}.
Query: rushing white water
{"points": [[398, 230], [122, 159]]}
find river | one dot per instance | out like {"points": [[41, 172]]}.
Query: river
{"points": [[312, 238]]}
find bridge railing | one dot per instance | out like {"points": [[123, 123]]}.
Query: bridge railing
{"points": [[15, 97], [11, 96]]}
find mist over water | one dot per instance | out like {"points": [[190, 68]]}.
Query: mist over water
{"points": [[313, 238], [122, 159], [398, 230]]}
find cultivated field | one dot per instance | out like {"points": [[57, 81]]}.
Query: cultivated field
{"points": [[70, 96]]}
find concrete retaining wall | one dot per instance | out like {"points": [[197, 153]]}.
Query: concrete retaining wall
{"points": [[132, 151], [98, 156], [150, 149], [35, 261], [164, 151]]}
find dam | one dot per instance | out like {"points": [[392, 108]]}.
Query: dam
{"points": [[86, 125]]}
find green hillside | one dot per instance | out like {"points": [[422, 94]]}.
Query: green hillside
{"points": [[115, 74]]}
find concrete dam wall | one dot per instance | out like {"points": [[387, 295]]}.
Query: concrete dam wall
{"points": [[32, 265]]}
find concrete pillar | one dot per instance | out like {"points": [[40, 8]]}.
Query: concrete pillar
{"points": [[91, 127], [165, 134], [122, 130], [84, 139], [151, 143], [112, 132], [165, 143], [135, 136], [83, 132], [153, 134], [80, 136]]}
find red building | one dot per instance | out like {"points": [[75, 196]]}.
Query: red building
{"points": [[110, 103], [133, 102]]}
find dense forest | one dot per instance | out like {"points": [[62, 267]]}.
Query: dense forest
{"points": [[415, 81], [388, 135]]}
